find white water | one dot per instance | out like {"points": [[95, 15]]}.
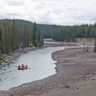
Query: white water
{"points": [[39, 61]]}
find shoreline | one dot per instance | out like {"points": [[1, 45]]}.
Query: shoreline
{"points": [[11, 57], [72, 73]]}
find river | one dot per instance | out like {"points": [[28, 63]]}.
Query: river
{"points": [[41, 66]]}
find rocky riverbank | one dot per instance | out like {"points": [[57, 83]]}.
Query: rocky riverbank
{"points": [[11, 57], [75, 76]]}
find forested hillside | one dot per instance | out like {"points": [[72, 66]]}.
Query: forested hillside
{"points": [[47, 30], [18, 33], [71, 33], [68, 33], [58, 33]]}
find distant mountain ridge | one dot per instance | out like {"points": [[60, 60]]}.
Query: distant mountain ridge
{"points": [[46, 29]]}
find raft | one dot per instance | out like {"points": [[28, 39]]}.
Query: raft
{"points": [[22, 68]]}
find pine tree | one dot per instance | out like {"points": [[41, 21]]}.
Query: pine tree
{"points": [[3, 46], [95, 42]]}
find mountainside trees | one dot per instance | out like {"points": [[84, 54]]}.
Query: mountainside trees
{"points": [[70, 33], [95, 41], [20, 33], [15, 34]]}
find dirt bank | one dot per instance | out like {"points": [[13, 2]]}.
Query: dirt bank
{"points": [[11, 57], [75, 76]]}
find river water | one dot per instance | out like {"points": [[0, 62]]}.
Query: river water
{"points": [[41, 66]]}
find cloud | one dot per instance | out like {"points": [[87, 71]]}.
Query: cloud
{"points": [[14, 2], [64, 12]]}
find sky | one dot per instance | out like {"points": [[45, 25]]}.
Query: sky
{"points": [[60, 12]]}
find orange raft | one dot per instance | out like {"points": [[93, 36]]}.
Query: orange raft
{"points": [[22, 67]]}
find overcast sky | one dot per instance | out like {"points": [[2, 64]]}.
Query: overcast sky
{"points": [[63, 12]]}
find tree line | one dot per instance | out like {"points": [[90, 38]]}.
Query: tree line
{"points": [[71, 33], [16, 34]]}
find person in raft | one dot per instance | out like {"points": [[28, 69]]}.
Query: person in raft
{"points": [[19, 67], [22, 67], [26, 67]]}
